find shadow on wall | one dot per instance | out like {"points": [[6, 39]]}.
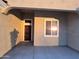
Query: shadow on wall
{"points": [[14, 36]]}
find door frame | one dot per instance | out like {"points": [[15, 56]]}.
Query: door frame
{"points": [[29, 26], [32, 29]]}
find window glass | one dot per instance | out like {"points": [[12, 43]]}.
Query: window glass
{"points": [[51, 27], [48, 27], [54, 28]]}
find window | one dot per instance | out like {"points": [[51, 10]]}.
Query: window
{"points": [[51, 27]]}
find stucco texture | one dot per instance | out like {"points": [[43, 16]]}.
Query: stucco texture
{"points": [[40, 39], [11, 31], [73, 31], [45, 4]]}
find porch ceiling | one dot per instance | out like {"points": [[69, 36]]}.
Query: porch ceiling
{"points": [[46, 4], [49, 5]]}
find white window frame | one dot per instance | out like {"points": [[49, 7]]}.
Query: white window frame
{"points": [[51, 19]]}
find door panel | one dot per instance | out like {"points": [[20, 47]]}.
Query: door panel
{"points": [[27, 33]]}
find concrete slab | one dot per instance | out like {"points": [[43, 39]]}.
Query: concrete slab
{"points": [[24, 51]]}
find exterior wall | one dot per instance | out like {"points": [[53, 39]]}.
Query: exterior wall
{"points": [[45, 4], [73, 31], [7, 25], [39, 39]]}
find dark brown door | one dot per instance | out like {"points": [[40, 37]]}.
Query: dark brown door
{"points": [[27, 33]]}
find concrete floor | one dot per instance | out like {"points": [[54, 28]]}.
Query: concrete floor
{"points": [[25, 51]]}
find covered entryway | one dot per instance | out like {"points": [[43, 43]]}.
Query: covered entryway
{"points": [[30, 25], [28, 18], [38, 29]]}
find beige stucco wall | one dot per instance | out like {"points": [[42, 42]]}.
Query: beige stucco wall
{"points": [[46, 4], [40, 39], [73, 31], [7, 25]]}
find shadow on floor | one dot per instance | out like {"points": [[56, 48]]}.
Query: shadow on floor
{"points": [[26, 51]]}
